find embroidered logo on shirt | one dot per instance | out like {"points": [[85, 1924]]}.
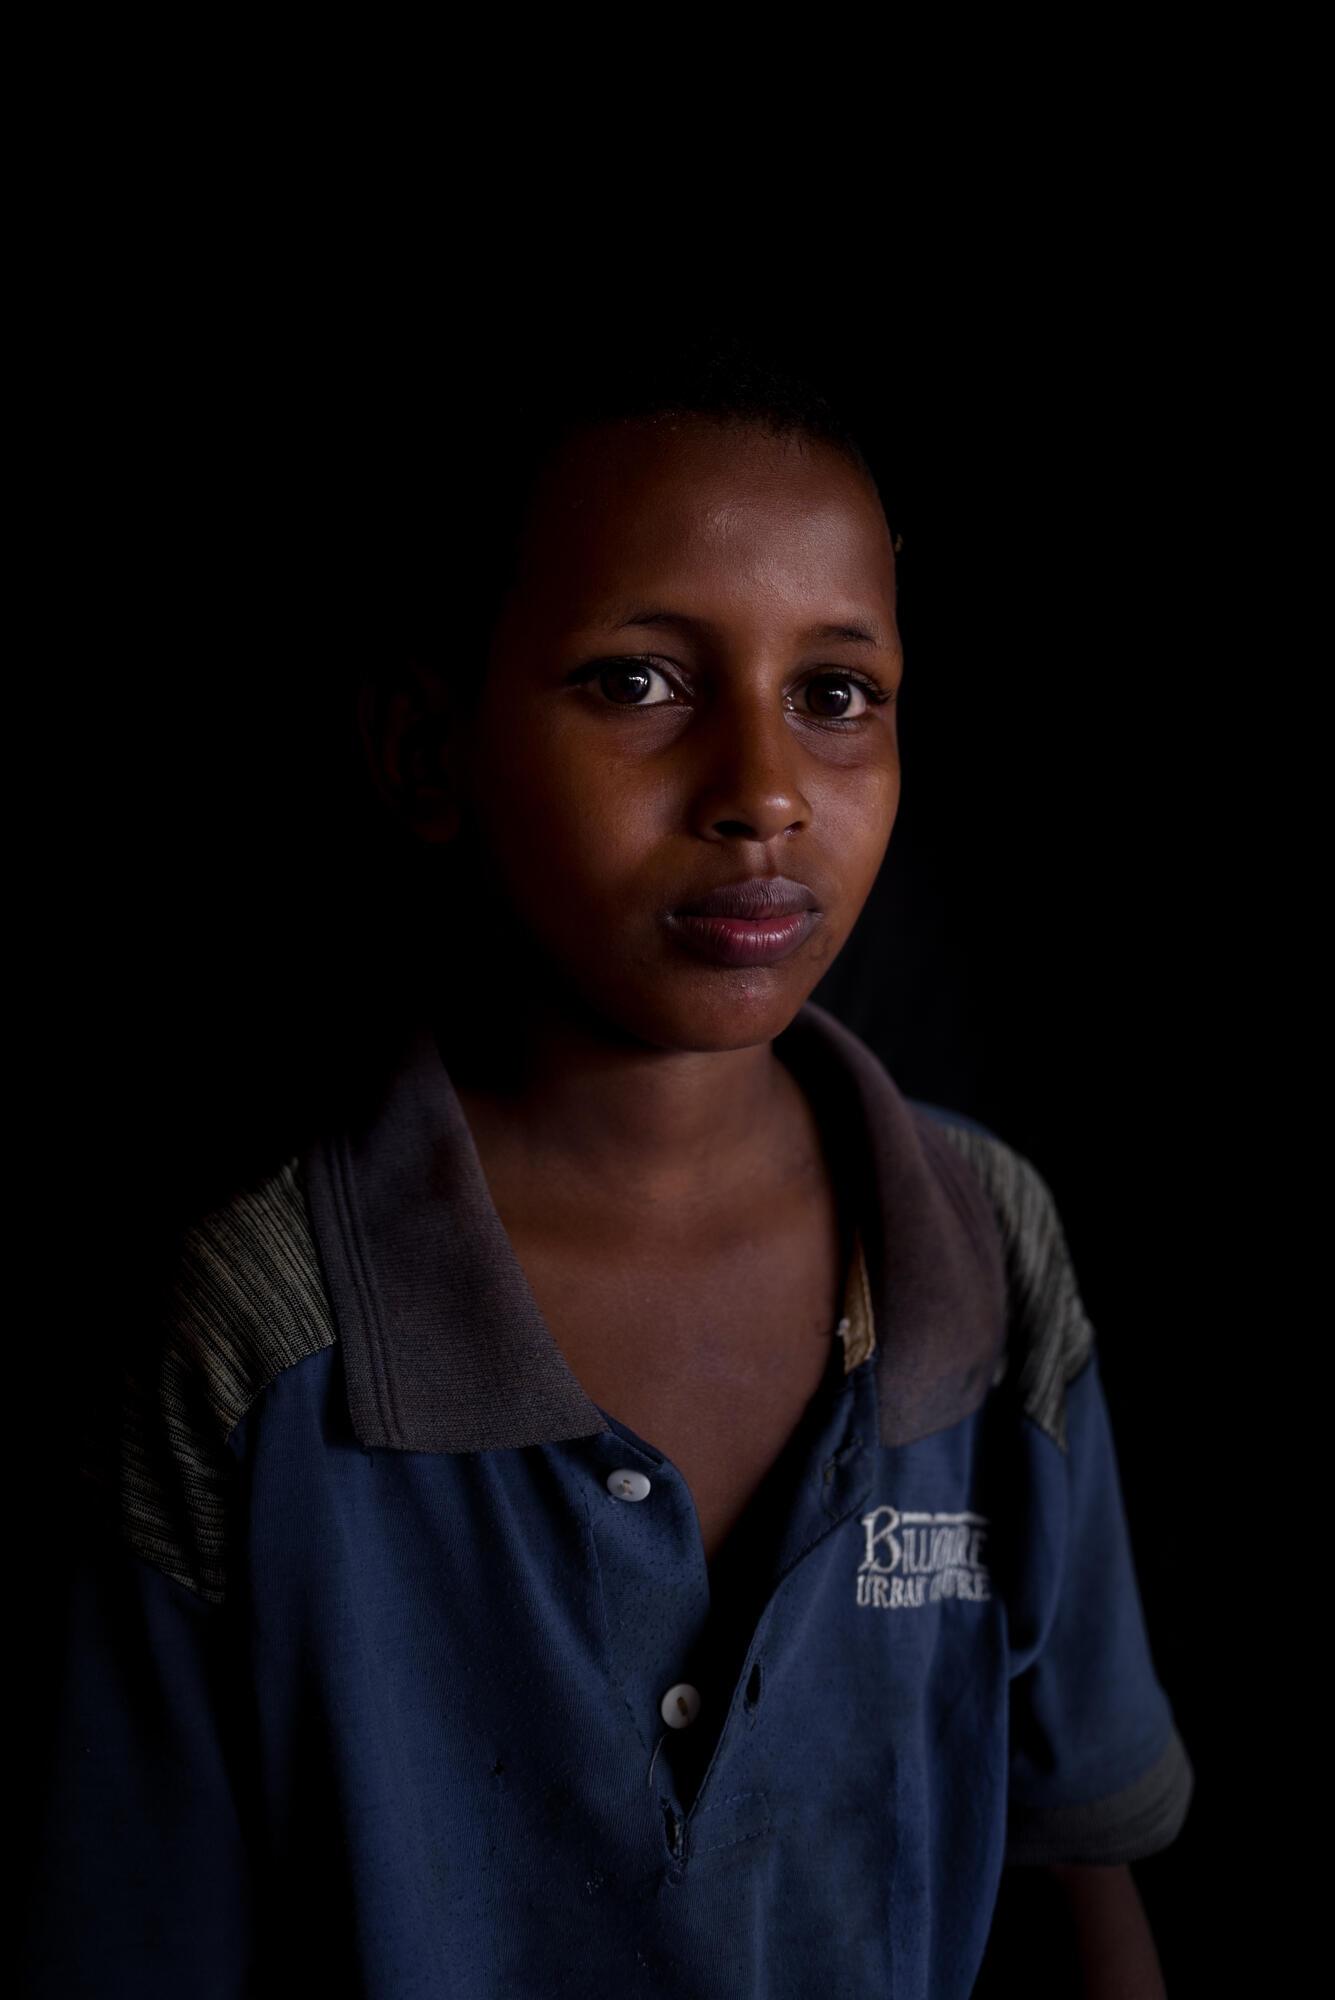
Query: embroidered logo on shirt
{"points": [[916, 1559]]}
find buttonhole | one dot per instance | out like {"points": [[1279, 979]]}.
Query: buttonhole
{"points": [[753, 1686]]}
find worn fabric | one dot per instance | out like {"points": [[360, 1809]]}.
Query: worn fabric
{"points": [[368, 1648]]}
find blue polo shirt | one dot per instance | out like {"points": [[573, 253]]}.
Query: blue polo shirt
{"points": [[394, 1667]]}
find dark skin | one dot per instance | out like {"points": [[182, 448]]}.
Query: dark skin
{"points": [[655, 1165], [653, 1161]]}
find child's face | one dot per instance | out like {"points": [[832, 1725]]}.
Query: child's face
{"points": [[602, 802]]}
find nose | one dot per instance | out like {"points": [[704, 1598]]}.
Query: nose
{"points": [[748, 785]]}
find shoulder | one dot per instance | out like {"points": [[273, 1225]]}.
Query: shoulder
{"points": [[1049, 1336], [242, 1299]]}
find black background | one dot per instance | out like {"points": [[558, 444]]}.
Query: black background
{"points": [[1067, 941]]}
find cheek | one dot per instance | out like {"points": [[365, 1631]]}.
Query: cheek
{"points": [[570, 820], [564, 817], [854, 821]]}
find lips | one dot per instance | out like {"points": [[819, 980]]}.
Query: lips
{"points": [[761, 898], [743, 941]]}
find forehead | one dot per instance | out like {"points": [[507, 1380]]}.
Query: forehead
{"points": [[726, 518]]}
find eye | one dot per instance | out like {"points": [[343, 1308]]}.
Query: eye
{"points": [[830, 688], [628, 683]]}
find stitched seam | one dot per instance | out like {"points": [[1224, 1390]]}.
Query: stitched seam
{"points": [[364, 1288]]}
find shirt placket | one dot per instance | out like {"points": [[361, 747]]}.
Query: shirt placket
{"points": [[690, 1664]]}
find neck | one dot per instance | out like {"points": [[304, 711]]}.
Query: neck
{"points": [[565, 1111]]}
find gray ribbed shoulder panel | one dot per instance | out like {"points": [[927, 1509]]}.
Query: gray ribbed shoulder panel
{"points": [[245, 1300], [1049, 1337]]}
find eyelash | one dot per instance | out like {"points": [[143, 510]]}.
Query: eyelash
{"points": [[875, 694]]}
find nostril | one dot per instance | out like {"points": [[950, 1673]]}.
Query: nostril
{"points": [[753, 1686]]}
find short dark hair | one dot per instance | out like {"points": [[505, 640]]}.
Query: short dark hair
{"points": [[487, 463]]}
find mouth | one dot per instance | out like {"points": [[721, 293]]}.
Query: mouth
{"points": [[758, 897], [740, 941]]}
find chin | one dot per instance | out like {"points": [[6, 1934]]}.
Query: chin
{"points": [[716, 1012]]}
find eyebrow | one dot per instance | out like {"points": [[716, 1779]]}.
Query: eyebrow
{"points": [[862, 634]]}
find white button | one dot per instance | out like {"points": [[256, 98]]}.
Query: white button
{"points": [[627, 1484], [680, 1705]]}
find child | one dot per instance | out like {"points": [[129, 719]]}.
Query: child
{"points": [[631, 1509]]}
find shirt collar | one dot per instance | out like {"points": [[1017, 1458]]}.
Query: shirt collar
{"points": [[445, 1349]]}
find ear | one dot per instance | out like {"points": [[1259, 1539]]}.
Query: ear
{"points": [[409, 737]]}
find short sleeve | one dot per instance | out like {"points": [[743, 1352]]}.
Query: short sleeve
{"points": [[1098, 1771], [140, 1877], [142, 1874]]}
